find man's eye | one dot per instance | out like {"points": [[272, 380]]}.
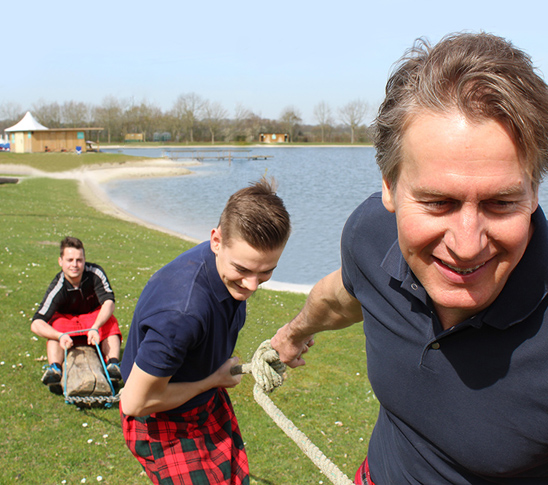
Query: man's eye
{"points": [[502, 205], [438, 204]]}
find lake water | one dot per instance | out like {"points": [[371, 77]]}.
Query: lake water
{"points": [[320, 186]]}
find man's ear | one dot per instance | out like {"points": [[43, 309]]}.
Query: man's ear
{"points": [[388, 195], [216, 239], [60, 260]]}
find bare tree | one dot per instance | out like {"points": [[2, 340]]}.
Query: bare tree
{"points": [[323, 115], [239, 126], [11, 111], [47, 114], [289, 119], [214, 116], [352, 115], [75, 115], [109, 116], [141, 119], [188, 109]]}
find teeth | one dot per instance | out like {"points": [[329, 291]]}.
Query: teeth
{"points": [[464, 271]]}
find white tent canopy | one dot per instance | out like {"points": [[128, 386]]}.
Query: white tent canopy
{"points": [[27, 123]]}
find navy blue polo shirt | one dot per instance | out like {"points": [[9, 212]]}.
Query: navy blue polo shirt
{"points": [[185, 324], [468, 405]]}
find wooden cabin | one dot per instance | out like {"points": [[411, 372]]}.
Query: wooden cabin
{"points": [[274, 138], [130, 137], [29, 136]]}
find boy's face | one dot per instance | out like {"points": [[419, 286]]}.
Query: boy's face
{"points": [[241, 267], [72, 263]]}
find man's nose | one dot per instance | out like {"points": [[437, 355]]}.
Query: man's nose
{"points": [[466, 236]]}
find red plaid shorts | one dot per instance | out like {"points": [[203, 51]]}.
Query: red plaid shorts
{"points": [[200, 447]]}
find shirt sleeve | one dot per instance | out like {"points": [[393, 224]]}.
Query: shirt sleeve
{"points": [[52, 299], [101, 284], [168, 337], [349, 267]]}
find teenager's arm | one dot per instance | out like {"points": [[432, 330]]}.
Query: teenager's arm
{"points": [[144, 393], [107, 310]]}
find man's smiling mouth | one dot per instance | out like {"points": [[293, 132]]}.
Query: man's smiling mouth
{"points": [[462, 271]]}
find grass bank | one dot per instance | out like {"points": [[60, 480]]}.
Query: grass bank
{"points": [[45, 441]]}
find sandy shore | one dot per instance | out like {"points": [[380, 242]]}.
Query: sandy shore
{"points": [[90, 177]]}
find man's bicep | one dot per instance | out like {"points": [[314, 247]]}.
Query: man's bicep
{"points": [[146, 382], [347, 304], [141, 389], [330, 303]]}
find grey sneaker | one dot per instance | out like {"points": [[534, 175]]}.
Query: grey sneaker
{"points": [[52, 375]]}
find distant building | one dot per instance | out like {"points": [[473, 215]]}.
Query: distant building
{"points": [[134, 137], [29, 136], [165, 136], [274, 138]]}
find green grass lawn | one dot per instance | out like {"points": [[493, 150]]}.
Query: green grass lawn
{"points": [[45, 441]]}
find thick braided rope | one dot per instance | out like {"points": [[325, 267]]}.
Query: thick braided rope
{"points": [[267, 369]]}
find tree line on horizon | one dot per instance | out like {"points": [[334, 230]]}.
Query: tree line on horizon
{"points": [[194, 119]]}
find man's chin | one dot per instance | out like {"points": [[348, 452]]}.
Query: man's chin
{"points": [[240, 294]]}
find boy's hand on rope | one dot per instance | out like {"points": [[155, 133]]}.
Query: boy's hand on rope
{"points": [[223, 376], [93, 337], [65, 341]]}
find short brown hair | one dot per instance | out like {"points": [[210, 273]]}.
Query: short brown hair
{"points": [[71, 242], [481, 75], [257, 215]]}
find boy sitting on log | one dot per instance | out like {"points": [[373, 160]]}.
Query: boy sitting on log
{"points": [[78, 298]]}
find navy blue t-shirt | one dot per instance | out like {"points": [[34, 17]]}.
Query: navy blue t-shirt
{"points": [[185, 324], [468, 405]]}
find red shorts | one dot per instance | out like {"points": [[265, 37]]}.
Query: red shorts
{"points": [[69, 323], [201, 446], [363, 477]]}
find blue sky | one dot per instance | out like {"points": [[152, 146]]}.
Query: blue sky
{"points": [[263, 55]]}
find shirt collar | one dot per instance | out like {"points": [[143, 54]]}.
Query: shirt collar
{"points": [[525, 289], [527, 285], [215, 282]]}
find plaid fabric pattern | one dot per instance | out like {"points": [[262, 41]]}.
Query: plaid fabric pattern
{"points": [[363, 477], [200, 447]]}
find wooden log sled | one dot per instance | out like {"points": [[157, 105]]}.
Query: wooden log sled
{"points": [[85, 374], [85, 381]]}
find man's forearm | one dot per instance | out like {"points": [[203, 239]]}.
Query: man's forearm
{"points": [[44, 329], [328, 307], [107, 310]]}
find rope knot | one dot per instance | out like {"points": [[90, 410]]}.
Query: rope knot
{"points": [[267, 368]]}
